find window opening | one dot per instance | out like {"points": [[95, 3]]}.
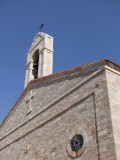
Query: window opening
{"points": [[77, 142], [35, 64]]}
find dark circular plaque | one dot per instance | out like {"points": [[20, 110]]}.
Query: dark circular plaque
{"points": [[77, 142]]}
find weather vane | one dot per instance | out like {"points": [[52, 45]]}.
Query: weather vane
{"points": [[41, 27]]}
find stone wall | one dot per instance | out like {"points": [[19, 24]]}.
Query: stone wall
{"points": [[113, 82], [60, 106]]}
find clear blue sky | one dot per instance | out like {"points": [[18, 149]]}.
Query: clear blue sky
{"points": [[84, 31]]}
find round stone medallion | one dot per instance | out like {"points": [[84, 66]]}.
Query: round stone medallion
{"points": [[76, 143]]}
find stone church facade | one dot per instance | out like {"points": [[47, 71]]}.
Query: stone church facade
{"points": [[73, 114]]}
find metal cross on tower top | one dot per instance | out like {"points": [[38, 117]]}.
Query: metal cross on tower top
{"points": [[41, 27]]}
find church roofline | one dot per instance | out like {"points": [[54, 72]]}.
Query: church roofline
{"points": [[93, 64]]}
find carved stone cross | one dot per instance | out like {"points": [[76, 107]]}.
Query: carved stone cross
{"points": [[29, 101]]}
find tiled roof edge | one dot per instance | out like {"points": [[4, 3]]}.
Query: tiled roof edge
{"points": [[103, 61]]}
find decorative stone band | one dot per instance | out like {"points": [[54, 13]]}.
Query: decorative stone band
{"points": [[75, 154]]}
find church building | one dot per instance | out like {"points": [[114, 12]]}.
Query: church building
{"points": [[72, 114]]}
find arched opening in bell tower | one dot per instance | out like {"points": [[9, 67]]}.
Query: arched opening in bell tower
{"points": [[35, 63]]}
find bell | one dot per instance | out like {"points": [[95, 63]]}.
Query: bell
{"points": [[35, 66]]}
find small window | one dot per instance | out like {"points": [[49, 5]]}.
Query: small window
{"points": [[76, 142]]}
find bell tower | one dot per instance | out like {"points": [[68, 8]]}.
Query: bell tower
{"points": [[40, 57]]}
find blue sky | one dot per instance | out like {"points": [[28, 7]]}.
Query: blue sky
{"points": [[84, 31]]}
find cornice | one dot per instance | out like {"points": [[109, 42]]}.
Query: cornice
{"points": [[53, 102], [89, 66]]}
